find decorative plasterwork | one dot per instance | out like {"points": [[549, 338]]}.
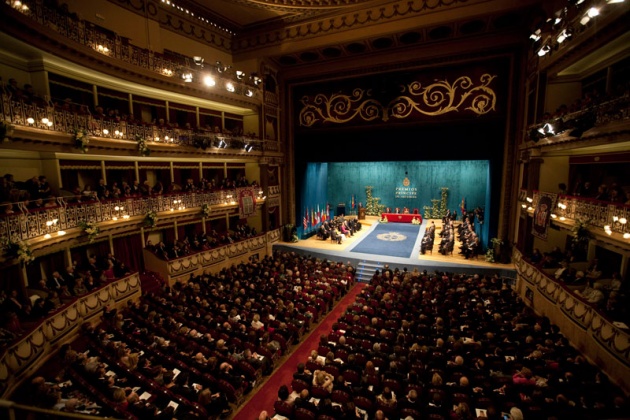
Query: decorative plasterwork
{"points": [[436, 99], [183, 25], [353, 19]]}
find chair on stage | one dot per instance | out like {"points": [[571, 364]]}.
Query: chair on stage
{"points": [[415, 211]]}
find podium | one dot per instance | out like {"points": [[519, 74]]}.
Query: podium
{"points": [[362, 213], [341, 209]]}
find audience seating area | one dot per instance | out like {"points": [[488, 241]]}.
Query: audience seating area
{"points": [[440, 346], [197, 347]]}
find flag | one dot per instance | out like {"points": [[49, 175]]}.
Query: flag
{"points": [[327, 210], [306, 218], [313, 221], [462, 206], [353, 203]]}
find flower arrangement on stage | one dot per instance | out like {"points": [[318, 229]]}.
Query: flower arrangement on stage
{"points": [[18, 249], [143, 149], [205, 210], [384, 219], [150, 219], [416, 221], [496, 243], [81, 139], [91, 229]]}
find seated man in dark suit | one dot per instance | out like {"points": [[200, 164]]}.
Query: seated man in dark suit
{"points": [[303, 401], [303, 374]]}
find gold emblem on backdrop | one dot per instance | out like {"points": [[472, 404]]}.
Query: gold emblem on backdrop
{"points": [[435, 99], [406, 182]]}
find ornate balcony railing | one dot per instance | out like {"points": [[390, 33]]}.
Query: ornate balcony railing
{"points": [[590, 330], [19, 113], [17, 360], [114, 46], [608, 216], [26, 225]]}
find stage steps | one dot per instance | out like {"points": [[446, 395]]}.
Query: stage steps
{"points": [[366, 269]]}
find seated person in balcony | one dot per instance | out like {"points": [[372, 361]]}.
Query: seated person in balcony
{"points": [[13, 89], [602, 193], [189, 186], [134, 189], [99, 112], [145, 189], [593, 293], [88, 194], [158, 188], [37, 204]]}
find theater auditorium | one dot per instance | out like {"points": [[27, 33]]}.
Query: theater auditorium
{"points": [[315, 210]]}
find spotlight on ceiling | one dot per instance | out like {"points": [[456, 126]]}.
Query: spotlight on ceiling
{"points": [[544, 50], [240, 74], [187, 77], [230, 87], [249, 93], [198, 60]]}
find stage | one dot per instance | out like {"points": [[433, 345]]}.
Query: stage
{"points": [[367, 263]]}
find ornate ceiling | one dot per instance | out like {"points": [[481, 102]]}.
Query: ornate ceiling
{"points": [[293, 33]]}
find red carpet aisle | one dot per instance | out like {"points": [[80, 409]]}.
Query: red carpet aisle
{"points": [[268, 394]]}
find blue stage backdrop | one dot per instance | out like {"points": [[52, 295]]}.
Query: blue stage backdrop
{"points": [[398, 184], [314, 199]]}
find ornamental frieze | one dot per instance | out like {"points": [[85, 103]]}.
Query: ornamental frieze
{"points": [[462, 95]]}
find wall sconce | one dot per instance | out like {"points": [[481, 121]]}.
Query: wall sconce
{"points": [[249, 93], [30, 120], [240, 74], [187, 77], [105, 131], [209, 81], [198, 60], [248, 148], [229, 87], [102, 49], [167, 72], [530, 200], [222, 144], [47, 122]]}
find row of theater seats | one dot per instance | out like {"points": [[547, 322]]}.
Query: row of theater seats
{"points": [[437, 346], [205, 330]]}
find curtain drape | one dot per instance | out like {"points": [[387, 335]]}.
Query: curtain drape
{"points": [[128, 249]]}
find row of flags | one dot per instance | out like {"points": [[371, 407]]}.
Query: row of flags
{"points": [[316, 216]]}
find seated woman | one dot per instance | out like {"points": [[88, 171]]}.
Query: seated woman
{"points": [[405, 210]]}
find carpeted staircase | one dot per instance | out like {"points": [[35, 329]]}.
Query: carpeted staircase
{"points": [[150, 282], [366, 269]]}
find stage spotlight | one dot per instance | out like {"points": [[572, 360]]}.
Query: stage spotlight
{"points": [[544, 50]]}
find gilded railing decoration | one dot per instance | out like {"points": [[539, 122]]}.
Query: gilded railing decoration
{"points": [[30, 225], [438, 98], [614, 340], [23, 355]]}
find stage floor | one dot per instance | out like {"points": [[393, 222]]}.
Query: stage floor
{"points": [[432, 261]]}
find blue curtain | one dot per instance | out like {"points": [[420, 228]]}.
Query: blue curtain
{"points": [[314, 199]]}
